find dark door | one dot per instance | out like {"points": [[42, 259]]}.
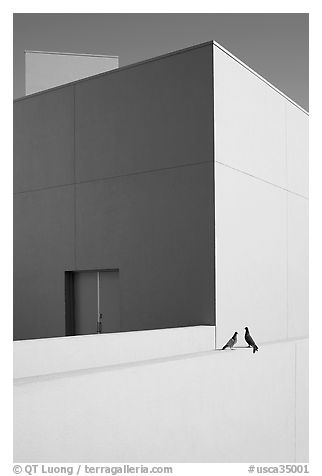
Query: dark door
{"points": [[109, 301], [85, 298], [93, 305]]}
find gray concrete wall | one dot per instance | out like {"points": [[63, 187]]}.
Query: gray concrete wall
{"points": [[116, 171]]}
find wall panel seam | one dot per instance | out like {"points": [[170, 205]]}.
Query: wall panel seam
{"points": [[262, 180], [143, 172], [51, 187], [74, 171], [214, 189]]}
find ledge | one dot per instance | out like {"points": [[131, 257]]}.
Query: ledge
{"points": [[40, 357]]}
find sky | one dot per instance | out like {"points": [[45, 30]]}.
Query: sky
{"points": [[276, 45]]}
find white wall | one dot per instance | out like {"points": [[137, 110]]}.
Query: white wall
{"points": [[44, 70], [39, 357], [251, 273], [261, 187], [302, 400], [298, 266], [250, 122], [217, 406], [297, 150], [261, 174]]}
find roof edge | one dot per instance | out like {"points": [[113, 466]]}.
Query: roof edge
{"points": [[222, 48], [116, 70], [156, 58]]}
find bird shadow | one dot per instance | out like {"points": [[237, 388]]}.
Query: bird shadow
{"points": [[237, 347]]}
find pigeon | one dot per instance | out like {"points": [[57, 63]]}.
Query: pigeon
{"points": [[231, 342], [250, 340]]}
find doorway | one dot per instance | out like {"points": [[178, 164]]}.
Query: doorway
{"points": [[92, 302]]}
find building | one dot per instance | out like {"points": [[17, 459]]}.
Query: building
{"points": [[46, 69], [170, 197]]}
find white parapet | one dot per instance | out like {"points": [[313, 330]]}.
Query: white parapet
{"points": [[38, 357], [227, 406]]}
